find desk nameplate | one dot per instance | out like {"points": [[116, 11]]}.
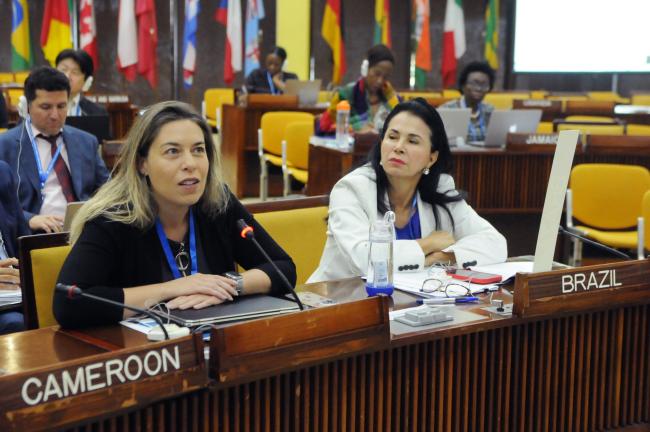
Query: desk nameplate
{"points": [[64, 394], [582, 288]]}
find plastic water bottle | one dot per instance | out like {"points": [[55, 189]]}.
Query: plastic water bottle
{"points": [[380, 256], [342, 124]]}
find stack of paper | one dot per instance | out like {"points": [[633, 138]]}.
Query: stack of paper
{"points": [[8, 297], [412, 283]]}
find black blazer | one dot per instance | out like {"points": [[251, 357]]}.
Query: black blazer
{"points": [[89, 108], [3, 112], [110, 256], [12, 222], [257, 81]]}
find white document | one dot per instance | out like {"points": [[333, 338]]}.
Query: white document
{"points": [[412, 282]]}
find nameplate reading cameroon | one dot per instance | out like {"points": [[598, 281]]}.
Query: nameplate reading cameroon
{"points": [[582, 288], [101, 383]]}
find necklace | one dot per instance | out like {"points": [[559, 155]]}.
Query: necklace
{"points": [[182, 259]]}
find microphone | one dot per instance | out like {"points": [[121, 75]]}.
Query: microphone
{"points": [[246, 231], [595, 243], [72, 291]]}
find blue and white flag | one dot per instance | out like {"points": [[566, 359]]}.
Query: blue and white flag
{"points": [[189, 41], [254, 13]]}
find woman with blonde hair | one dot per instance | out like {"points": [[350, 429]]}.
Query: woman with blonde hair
{"points": [[163, 229]]}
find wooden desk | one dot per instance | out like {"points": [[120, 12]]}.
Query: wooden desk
{"points": [[484, 371], [239, 147]]}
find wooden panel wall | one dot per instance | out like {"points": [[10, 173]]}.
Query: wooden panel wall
{"points": [[578, 373]]}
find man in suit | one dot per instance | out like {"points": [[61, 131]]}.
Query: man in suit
{"points": [[54, 164], [12, 226], [3, 111], [78, 66]]}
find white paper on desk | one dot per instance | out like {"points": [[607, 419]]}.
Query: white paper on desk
{"points": [[143, 325], [11, 294], [412, 282], [506, 270]]}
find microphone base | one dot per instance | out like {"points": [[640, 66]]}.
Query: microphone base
{"points": [[156, 334]]}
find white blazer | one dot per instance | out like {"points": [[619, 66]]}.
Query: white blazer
{"points": [[353, 206]]}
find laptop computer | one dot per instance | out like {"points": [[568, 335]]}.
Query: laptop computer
{"points": [[70, 211], [504, 121], [307, 91], [247, 307], [456, 121], [94, 125]]}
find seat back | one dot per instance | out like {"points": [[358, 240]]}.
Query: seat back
{"points": [[608, 96], [638, 129], [424, 95], [274, 124], [324, 96], [641, 99], [504, 100], [20, 77], [297, 137], [41, 258], [609, 125], [6, 77], [299, 226], [608, 196], [14, 95], [216, 97]]}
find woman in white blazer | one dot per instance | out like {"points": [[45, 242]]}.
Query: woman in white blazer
{"points": [[407, 173]]}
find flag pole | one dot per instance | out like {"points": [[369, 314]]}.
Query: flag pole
{"points": [[74, 18], [173, 25]]}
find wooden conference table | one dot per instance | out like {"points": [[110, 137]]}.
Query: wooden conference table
{"points": [[572, 361]]}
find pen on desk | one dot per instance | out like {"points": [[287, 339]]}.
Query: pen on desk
{"points": [[446, 300]]}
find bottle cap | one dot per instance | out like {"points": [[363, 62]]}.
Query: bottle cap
{"points": [[343, 106]]}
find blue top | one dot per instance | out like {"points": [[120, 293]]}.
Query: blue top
{"points": [[410, 231]]}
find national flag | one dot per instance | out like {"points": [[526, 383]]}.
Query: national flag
{"points": [[189, 41], [421, 42], [127, 40], [229, 14], [21, 47], [145, 11], [254, 13], [331, 31], [453, 41], [55, 31], [382, 22], [88, 30], [492, 33]]}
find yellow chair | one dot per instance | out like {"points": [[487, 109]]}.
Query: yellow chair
{"points": [[610, 125], [538, 94], [545, 127], [20, 77], [450, 94], [504, 100], [607, 96], [640, 99], [213, 100], [269, 141], [41, 258], [6, 77], [605, 199], [299, 226], [2, 130], [324, 96], [295, 153], [14, 94], [408, 95], [636, 129]]}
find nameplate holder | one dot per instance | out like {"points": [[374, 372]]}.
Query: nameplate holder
{"points": [[582, 288], [268, 346], [71, 392], [532, 142]]}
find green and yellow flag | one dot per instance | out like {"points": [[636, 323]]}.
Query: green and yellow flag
{"points": [[21, 47], [382, 22], [492, 33]]}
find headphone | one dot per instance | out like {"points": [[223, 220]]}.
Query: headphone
{"points": [[87, 84], [23, 109], [364, 68]]}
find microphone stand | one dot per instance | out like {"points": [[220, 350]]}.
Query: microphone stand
{"points": [[71, 291], [594, 243]]}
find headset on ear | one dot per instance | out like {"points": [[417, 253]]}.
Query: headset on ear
{"points": [[364, 68], [87, 84], [23, 109]]}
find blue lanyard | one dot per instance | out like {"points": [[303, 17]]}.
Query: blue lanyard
{"points": [[78, 110], [270, 80], [42, 175], [168, 251]]}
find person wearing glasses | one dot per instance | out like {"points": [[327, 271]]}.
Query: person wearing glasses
{"points": [[408, 173], [474, 82], [164, 228], [371, 97], [78, 66]]}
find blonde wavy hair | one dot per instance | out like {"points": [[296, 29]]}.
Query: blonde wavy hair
{"points": [[127, 196]]}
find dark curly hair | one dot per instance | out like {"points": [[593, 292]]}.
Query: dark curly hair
{"points": [[475, 66]]}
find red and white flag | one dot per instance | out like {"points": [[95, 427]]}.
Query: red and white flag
{"points": [[229, 14], [127, 40], [453, 41], [88, 30], [147, 41]]}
